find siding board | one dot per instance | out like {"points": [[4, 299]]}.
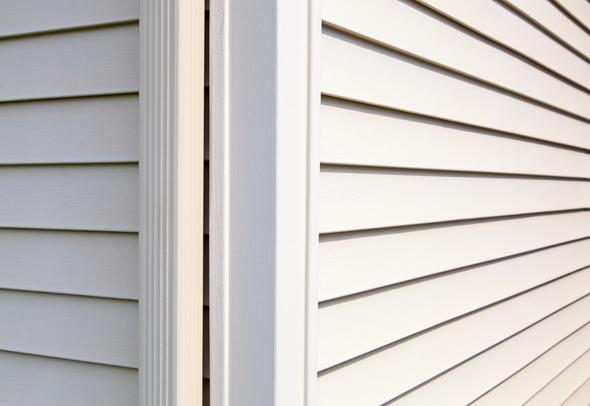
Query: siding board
{"points": [[27, 380], [380, 376], [34, 16], [580, 396], [80, 130], [103, 331], [515, 33], [454, 198], [467, 382], [578, 9], [355, 262], [423, 33], [74, 197], [547, 15], [387, 315], [524, 384], [362, 198], [357, 134], [564, 385], [76, 263], [75, 63], [364, 72]]}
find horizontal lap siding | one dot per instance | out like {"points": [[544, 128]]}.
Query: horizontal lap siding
{"points": [[27, 380], [24, 17], [77, 63], [454, 197], [69, 202], [559, 389], [526, 382], [76, 263], [80, 130], [580, 396]]}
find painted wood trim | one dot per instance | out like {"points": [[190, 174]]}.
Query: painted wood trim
{"points": [[264, 241], [171, 203]]}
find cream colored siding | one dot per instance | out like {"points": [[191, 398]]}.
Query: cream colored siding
{"points": [[454, 257], [69, 202]]}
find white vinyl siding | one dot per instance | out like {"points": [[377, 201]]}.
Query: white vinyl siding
{"points": [[69, 202], [454, 257]]}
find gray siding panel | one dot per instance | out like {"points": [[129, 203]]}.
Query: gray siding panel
{"points": [[71, 197], [103, 331], [34, 16], [28, 380], [76, 263], [75, 63], [69, 202], [80, 130]]}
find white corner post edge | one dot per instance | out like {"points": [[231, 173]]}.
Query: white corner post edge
{"points": [[265, 101], [171, 202]]}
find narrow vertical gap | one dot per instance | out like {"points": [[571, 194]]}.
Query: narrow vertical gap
{"points": [[207, 142]]}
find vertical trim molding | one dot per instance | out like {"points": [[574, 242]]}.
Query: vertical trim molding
{"points": [[171, 201], [265, 102]]}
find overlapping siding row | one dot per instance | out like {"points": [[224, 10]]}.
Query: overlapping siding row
{"points": [[454, 197], [69, 183]]}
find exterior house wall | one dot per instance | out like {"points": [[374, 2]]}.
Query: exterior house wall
{"points": [[454, 196], [452, 205], [69, 203]]}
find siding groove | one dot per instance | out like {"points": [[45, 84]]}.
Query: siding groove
{"points": [[454, 198], [526, 382], [515, 33], [422, 33], [33, 17], [74, 63], [78, 328], [62, 382], [391, 371], [355, 198], [467, 381], [387, 315], [361, 261], [363, 135], [360, 71]]}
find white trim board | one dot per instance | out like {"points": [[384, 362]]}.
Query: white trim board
{"points": [[265, 100], [171, 201]]}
